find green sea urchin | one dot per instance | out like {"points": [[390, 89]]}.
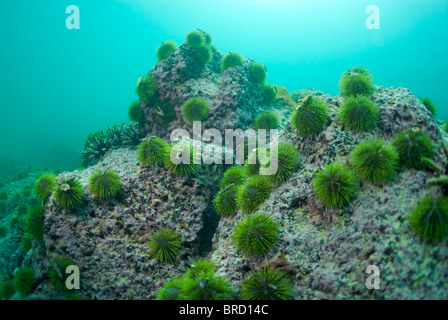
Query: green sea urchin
{"points": [[334, 185], [26, 243], [267, 284], [165, 49], [359, 114], [23, 209], [286, 160], [69, 194], [152, 151], [205, 287], [7, 289], [231, 60], [225, 201], [202, 54], [165, 245], [131, 135], [35, 222], [311, 116], [97, 144], [269, 93], [45, 185], [234, 175], [267, 121], [258, 72], [256, 235], [412, 147], [195, 109], [105, 184], [204, 266], [374, 161], [182, 159], [429, 218], [356, 82], [146, 88], [57, 272], [429, 104], [24, 280], [195, 38], [171, 290], [253, 193], [135, 112], [255, 159]]}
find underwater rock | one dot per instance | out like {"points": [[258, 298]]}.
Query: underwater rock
{"points": [[328, 250], [234, 100], [108, 239]]}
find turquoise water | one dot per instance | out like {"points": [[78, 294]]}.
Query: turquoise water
{"points": [[57, 85]]}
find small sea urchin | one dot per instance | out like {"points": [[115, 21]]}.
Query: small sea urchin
{"points": [[146, 88], [231, 60], [266, 284], [171, 290], [24, 280], [69, 194], [252, 193], [35, 222], [284, 161], [165, 245], [57, 272], [258, 72], [256, 235], [182, 159], [430, 105], [359, 114], [195, 38], [204, 266], [267, 121], [105, 184], [235, 175], [152, 151], [225, 201], [195, 109], [374, 161], [311, 116], [255, 159], [429, 218], [135, 112], [335, 186], [165, 49], [45, 185], [412, 147], [206, 287], [269, 93], [356, 82]]}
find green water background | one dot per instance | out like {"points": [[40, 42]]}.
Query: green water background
{"points": [[57, 85]]}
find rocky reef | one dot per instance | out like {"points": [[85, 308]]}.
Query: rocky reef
{"points": [[324, 252]]}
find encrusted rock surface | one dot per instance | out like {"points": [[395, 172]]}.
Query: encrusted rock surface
{"points": [[327, 252], [234, 100], [109, 239]]}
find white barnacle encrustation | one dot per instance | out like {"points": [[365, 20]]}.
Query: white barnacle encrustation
{"points": [[64, 187], [304, 101]]}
